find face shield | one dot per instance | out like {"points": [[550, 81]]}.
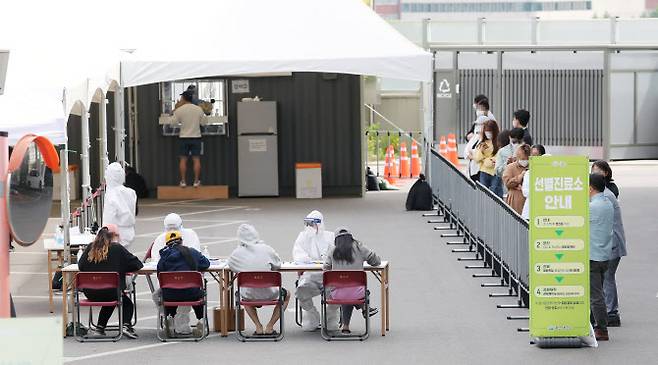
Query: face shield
{"points": [[312, 223]]}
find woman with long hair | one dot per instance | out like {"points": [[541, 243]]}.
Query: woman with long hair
{"points": [[349, 254], [485, 155], [106, 254]]}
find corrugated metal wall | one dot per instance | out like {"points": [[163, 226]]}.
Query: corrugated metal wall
{"points": [[319, 120], [566, 106]]}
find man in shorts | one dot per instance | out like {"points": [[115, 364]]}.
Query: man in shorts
{"points": [[191, 117]]}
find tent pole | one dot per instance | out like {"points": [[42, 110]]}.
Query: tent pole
{"points": [[119, 125], [65, 207], [4, 228], [102, 131], [84, 158]]}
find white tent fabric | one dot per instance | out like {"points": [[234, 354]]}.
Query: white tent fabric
{"points": [[175, 40], [264, 36]]}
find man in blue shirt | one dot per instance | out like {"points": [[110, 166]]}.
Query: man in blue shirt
{"points": [[618, 251], [601, 218]]}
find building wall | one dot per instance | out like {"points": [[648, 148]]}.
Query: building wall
{"points": [[319, 121], [401, 109]]}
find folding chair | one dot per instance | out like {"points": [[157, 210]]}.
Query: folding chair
{"points": [[258, 279], [182, 280], [298, 307], [97, 281], [343, 280]]}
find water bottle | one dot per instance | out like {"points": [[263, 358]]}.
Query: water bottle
{"points": [[206, 253], [59, 236]]}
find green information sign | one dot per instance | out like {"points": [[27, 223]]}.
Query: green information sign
{"points": [[559, 246]]}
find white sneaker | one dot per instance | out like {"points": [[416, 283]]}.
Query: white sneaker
{"points": [[182, 184], [169, 327], [200, 328], [310, 320], [197, 183], [182, 321]]}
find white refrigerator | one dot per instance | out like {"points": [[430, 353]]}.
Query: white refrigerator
{"points": [[258, 167]]}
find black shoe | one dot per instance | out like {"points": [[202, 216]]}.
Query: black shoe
{"points": [[614, 321], [129, 332]]}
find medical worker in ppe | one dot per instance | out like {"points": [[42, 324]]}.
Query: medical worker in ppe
{"points": [[173, 222], [119, 204], [311, 246]]}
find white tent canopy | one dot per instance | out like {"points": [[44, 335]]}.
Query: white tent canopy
{"points": [[206, 38], [262, 36]]}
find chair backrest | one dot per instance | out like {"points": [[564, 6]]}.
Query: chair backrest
{"points": [[344, 279], [259, 279], [97, 280], [180, 280], [148, 255]]}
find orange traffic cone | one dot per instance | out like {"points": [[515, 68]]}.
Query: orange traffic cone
{"points": [[387, 163], [415, 160], [392, 167], [452, 149], [443, 147], [404, 162]]}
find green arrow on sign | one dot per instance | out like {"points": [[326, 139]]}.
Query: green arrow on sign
{"points": [[559, 256], [559, 278], [559, 232]]}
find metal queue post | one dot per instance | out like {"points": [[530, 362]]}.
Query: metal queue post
{"points": [[489, 228]]}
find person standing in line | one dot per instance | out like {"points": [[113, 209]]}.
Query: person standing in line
{"points": [[538, 150], [603, 168], [481, 107], [191, 117], [618, 251], [485, 154], [513, 178], [601, 220], [521, 120], [469, 150], [505, 154]]}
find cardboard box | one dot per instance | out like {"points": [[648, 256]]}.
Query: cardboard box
{"points": [[217, 319]]}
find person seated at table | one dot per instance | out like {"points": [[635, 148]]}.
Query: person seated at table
{"points": [[177, 257], [173, 222], [106, 254], [311, 246], [348, 254], [252, 254]]}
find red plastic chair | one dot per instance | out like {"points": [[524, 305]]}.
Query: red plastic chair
{"points": [[344, 280], [182, 280], [256, 280], [97, 281]]}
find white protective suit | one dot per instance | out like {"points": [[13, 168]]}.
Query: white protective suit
{"points": [[252, 254], [312, 245], [119, 203], [173, 222]]}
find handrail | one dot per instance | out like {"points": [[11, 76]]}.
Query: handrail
{"points": [[454, 168], [502, 203]]}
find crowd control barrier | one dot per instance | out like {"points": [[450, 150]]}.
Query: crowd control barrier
{"points": [[489, 228]]}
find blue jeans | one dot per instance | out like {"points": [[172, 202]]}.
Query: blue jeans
{"points": [[493, 183]]}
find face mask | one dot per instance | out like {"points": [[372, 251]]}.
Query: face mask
{"points": [[523, 163], [479, 113], [489, 135]]}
